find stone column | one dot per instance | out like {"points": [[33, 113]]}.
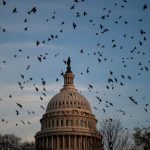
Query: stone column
{"points": [[57, 143], [79, 142], [86, 143], [37, 144], [43, 143], [91, 143], [63, 143], [46, 144], [52, 142], [75, 142], [69, 142], [40, 144]]}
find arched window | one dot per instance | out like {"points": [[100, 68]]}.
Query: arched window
{"points": [[67, 103], [49, 124], [77, 122], [52, 123], [81, 123], [85, 123], [71, 122], [66, 122], [89, 124], [57, 123], [63, 103], [62, 122], [59, 104]]}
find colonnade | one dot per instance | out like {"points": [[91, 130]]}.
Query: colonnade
{"points": [[67, 142]]}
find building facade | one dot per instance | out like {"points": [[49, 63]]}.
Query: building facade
{"points": [[68, 123]]}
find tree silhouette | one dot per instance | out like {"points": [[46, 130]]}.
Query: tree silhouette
{"points": [[142, 137], [115, 137]]}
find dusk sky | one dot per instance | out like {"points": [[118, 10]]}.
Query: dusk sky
{"points": [[109, 45]]}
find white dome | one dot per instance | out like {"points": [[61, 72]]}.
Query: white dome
{"points": [[68, 98]]}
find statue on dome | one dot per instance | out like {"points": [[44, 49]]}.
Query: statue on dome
{"points": [[68, 61]]}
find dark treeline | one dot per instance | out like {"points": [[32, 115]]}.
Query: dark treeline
{"points": [[13, 142]]}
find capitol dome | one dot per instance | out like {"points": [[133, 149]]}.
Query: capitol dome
{"points": [[68, 123], [68, 98]]}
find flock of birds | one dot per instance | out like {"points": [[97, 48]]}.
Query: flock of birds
{"points": [[113, 80]]}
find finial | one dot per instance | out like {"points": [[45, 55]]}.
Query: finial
{"points": [[68, 65]]}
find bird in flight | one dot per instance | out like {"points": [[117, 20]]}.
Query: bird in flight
{"points": [[14, 10], [74, 25]]}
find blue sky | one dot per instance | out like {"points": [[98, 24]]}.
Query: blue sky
{"points": [[122, 22]]}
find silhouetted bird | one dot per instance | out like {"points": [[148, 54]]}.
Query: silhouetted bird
{"points": [[87, 70], [14, 10], [25, 20], [34, 9], [145, 109], [42, 107], [22, 121], [90, 86], [17, 112], [4, 3], [95, 108], [72, 7], [74, 25], [37, 43], [145, 7], [19, 105]]}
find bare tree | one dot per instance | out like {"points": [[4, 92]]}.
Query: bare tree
{"points": [[115, 137], [9, 141], [28, 146], [142, 137], [12, 142]]}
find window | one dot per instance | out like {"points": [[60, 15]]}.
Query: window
{"points": [[49, 124], [89, 124], [85, 123], [77, 122], [52, 123], [57, 123], [66, 122], [67, 103], [81, 123], [71, 122], [62, 122]]}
